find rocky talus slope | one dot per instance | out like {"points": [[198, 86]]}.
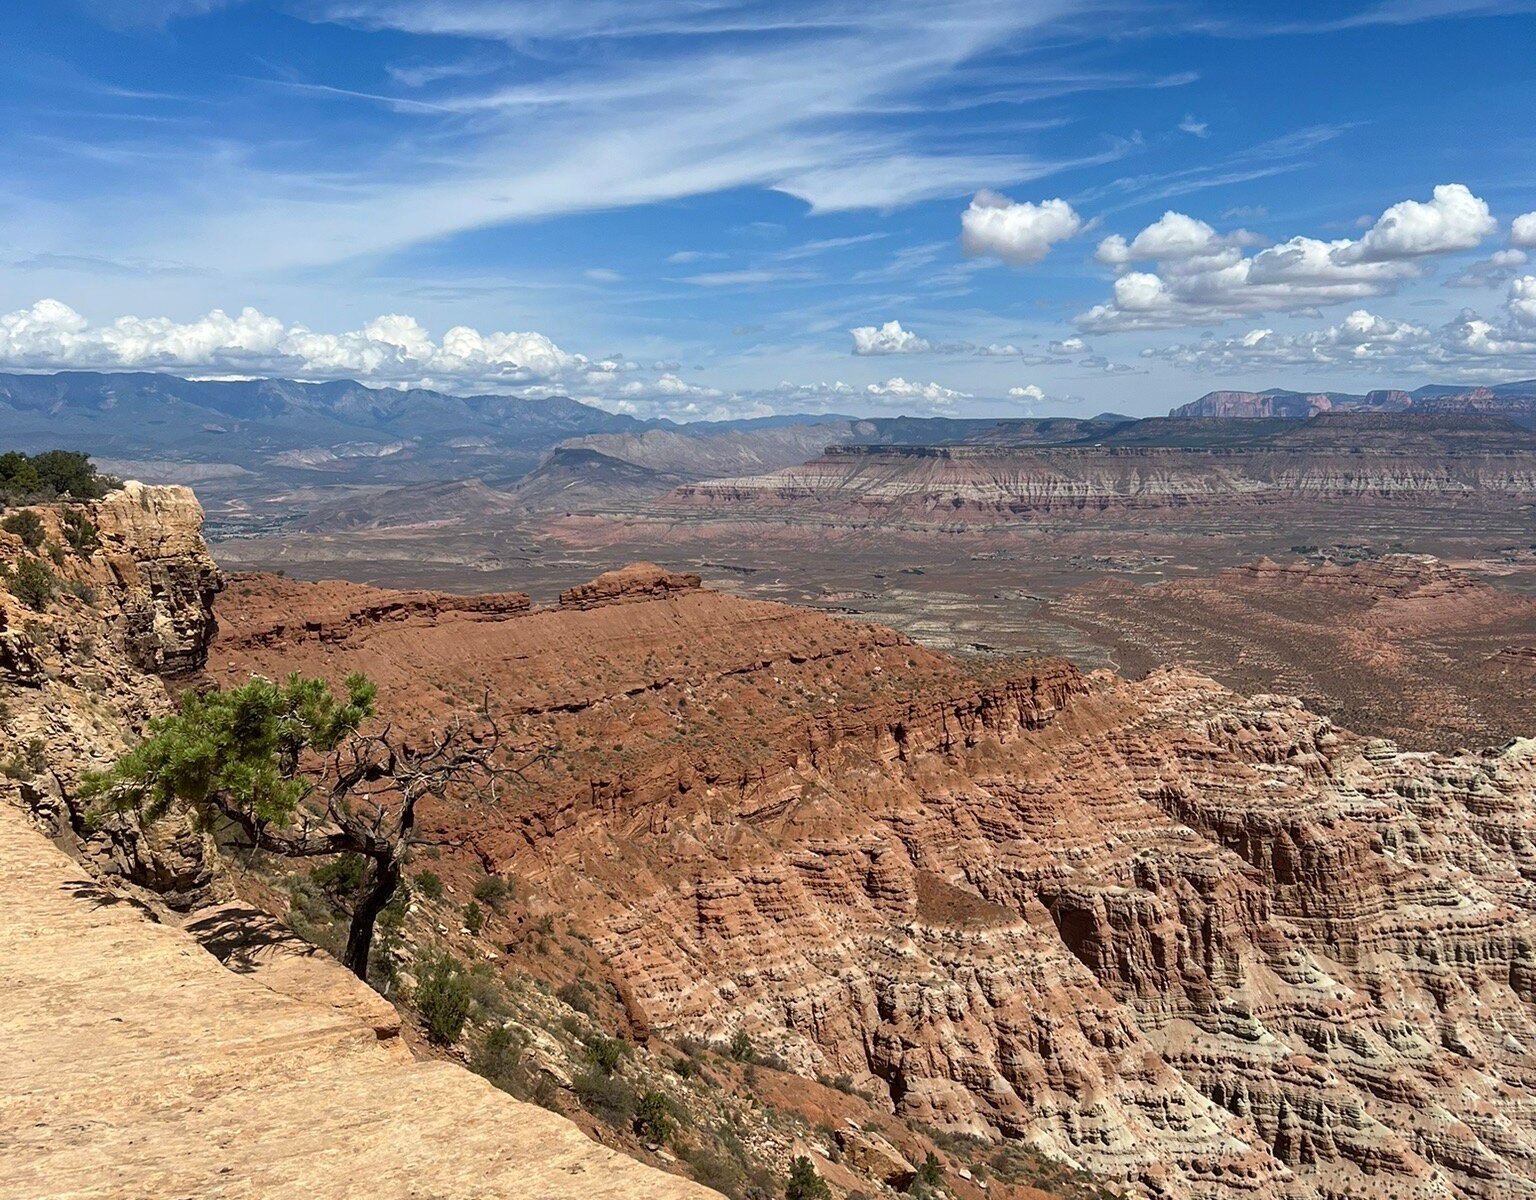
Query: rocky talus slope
{"points": [[133, 1063], [1208, 944]]}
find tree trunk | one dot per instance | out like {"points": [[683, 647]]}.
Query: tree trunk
{"points": [[387, 870]]}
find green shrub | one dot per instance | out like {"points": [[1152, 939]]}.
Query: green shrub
{"points": [[606, 1053], [493, 891], [26, 525], [804, 1183], [430, 885], [685, 1068], [81, 533], [18, 477], [81, 591], [654, 1118], [53, 473], [31, 581], [742, 1049], [342, 878], [499, 1059], [442, 997], [474, 918], [28, 760], [610, 1099], [578, 995], [926, 1183]]}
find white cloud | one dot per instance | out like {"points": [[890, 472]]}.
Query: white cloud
{"points": [[1001, 350], [1359, 338], [1019, 233], [1171, 236], [1069, 345], [1494, 271], [791, 100], [603, 275], [1454, 220], [1203, 277], [889, 338], [396, 350], [1469, 347], [391, 349], [1194, 128], [750, 277], [1522, 231], [895, 394], [1522, 300], [1032, 394], [1097, 362]]}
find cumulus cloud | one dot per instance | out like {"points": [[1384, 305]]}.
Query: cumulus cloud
{"points": [[1069, 345], [397, 350], [1201, 276], [1453, 220], [1522, 231], [1361, 337], [1522, 300], [1019, 233], [1494, 271], [1097, 362], [894, 394], [1172, 236], [1032, 394], [1470, 346], [1001, 350], [889, 338], [391, 349]]}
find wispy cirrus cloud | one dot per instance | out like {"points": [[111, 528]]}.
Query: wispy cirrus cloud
{"points": [[597, 113]]}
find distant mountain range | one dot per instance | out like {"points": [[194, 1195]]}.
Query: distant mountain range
{"points": [[1514, 400], [264, 437], [294, 429]]}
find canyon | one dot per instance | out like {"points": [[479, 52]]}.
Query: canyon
{"points": [[1207, 944], [1201, 871]]}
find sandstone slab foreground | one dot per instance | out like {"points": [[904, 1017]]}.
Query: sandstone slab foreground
{"points": [[132, 1064]]}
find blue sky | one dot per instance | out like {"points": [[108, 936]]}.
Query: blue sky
{"points": [[710, 207]]}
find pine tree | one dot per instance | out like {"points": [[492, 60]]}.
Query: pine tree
{"points": [[287, 769]]}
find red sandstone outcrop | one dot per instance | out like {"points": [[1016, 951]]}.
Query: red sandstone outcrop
{"points": [[1209, 944], [638, 581]]}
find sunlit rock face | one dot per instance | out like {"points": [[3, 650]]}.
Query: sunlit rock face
{"points": [[1208, 944]]}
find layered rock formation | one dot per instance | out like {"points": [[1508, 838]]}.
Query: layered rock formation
{"points": [[1517, 400], [1256, 404], [1351, 459], [81, 677], [1214, 946]]}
